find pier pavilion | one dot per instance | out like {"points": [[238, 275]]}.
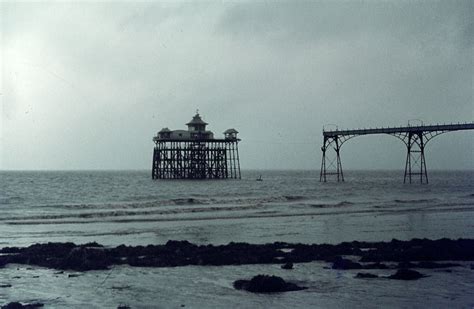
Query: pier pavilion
{"points": [[195, 153]]}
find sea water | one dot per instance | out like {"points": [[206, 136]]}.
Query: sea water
{"points": [[128, 207]]}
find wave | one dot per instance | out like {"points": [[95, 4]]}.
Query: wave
{"points": [[344, 203], [177, 207], [129, 213], [294, 197], [227, 213], [130, 219], [185, 201], [189, 201], [340, 204], [414, 201], [10, 200]]}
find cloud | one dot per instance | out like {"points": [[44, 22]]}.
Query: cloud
{"points": [[310, 22], [87, 84]]}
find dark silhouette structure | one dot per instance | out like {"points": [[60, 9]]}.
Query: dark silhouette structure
{"points": [[195, 153], [414, 137]]}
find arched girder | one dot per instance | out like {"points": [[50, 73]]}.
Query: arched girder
{"points": [[342, 139], [415, 139], [402, 136], [429, 135]]}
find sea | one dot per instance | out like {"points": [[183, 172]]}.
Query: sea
{"points": [[128, 207]]}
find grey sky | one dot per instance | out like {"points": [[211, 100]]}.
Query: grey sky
{"points": [[87, 85]]}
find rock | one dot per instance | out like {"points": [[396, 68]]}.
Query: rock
{"points": [[17, 305], [421, 253], [13, 305], [341, 263], [84, 258], [6, 285], [92, 244], [426, 264], [266, 284], [431, 265], [123, 307], [287, 265], [406, 274], [376, 266], [10, 250], [365, 275], [421, 250]]}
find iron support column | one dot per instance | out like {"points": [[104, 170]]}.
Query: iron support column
{"points": [[415, 156], [337, 169]]}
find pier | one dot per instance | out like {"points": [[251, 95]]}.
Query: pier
{"points": [[415, 139], [195, 153]]}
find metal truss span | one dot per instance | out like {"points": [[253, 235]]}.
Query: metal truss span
{"points": [[205, 159], [415, 139]]}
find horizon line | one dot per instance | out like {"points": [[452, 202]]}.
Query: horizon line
{"points": [[248, 170]]}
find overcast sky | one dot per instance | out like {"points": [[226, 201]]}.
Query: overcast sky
{"points": [[87, 85]]}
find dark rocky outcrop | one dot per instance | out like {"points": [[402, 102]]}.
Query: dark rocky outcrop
{"points": [[17, 305], [287, 265], [60, 256], [266, 284], [376, 266], [341, 263], [365, 275], [421, 250], [421, 253], [426, 264], [406, 274]]}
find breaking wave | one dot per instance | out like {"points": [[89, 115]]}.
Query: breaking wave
{"points": [[332, 205], [175, 207], [187, 201], [414, 201]]}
